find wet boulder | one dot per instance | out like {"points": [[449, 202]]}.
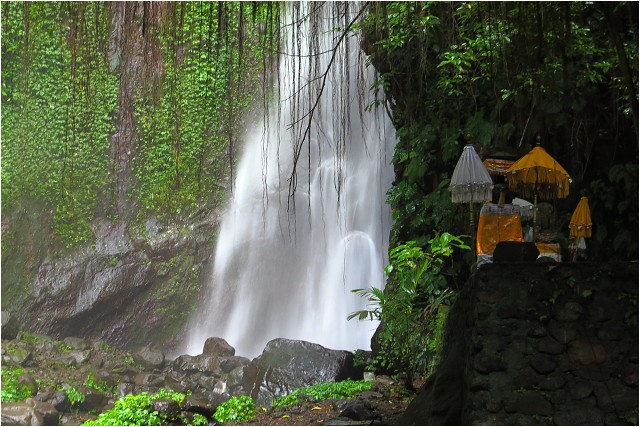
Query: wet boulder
{"points": [[285, 365], [30, 412], [215, 346], [149, 357]]}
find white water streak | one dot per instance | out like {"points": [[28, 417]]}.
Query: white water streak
{"points": [[285, 272]]}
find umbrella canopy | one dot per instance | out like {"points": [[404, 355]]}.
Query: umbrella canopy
{"points": [[538, 174], [580, 224], [470, 182], [497, 166], [525, 207]]}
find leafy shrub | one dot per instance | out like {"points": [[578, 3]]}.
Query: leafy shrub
{"points": [[136, 410], [102, 386], [238, 408], [199, 420], [332, 390], [410, 307], [74, 395], [12, 390]]}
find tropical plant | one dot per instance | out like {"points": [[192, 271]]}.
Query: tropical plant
{"points": [[12, 389], [74, 395], [136, 410], [236, 409], [409, 308], [346, 389]]}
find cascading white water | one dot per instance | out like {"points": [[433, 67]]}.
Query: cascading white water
{"points": [[285, 267]]}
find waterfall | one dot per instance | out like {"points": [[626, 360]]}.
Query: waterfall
{"points": [[292, 246]]}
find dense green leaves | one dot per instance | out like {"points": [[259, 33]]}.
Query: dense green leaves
{"points": [[411, 307], [63, 94], [497, 74], [346, 389], [136, 410], [236, 409], [57, 101], [12, 389], [188, 128]]}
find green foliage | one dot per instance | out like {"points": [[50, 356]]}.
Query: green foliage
{"points": [[12, 390], [188, 127], [57, 101], [136, 410], [60, 99], [411, 308], [497, 74], [236, 409], [346, 389], [199, 420], [102, 386], [74, 395]]}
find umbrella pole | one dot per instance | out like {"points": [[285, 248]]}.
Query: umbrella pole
{"points": [[535, 211], [473, 231]]}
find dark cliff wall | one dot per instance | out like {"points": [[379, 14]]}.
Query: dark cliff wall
{"points": [[531, 344]]}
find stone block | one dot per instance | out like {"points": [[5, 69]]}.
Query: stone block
{"points": [[542, 364], [529, 403], [586, 353]]}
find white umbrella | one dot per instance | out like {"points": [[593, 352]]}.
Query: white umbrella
{"points": [[470, 182], [525, 207]]}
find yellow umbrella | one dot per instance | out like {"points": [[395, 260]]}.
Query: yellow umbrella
{"points": [[538, 174], [580, 224]]}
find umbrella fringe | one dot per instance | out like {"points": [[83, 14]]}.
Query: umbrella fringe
{"points": [[476, 193]]}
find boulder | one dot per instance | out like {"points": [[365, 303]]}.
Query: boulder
{"points": [[30, 412], [124, 389], [285, 365], [149, 357], [17, 355], [215, 346], [77, 343], [358, 410], [58, 399], [203, 404], [169, 407], [204, 363]]}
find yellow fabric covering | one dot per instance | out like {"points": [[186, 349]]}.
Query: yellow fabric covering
{"points": [[538, 172], [497, 166], [580, 224], [551, 250], [497, 227]]}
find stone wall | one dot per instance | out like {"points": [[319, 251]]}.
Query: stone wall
{"points": [[538, 344]]}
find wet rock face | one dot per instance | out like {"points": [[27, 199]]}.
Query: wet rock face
{"points": [[128, 291], [285, 365], [533, 344]]}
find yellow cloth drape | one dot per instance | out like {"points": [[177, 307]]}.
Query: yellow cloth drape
{"points": [[494, 228]]}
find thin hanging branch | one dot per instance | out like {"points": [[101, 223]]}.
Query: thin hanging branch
{"points": [[310, 114]]}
